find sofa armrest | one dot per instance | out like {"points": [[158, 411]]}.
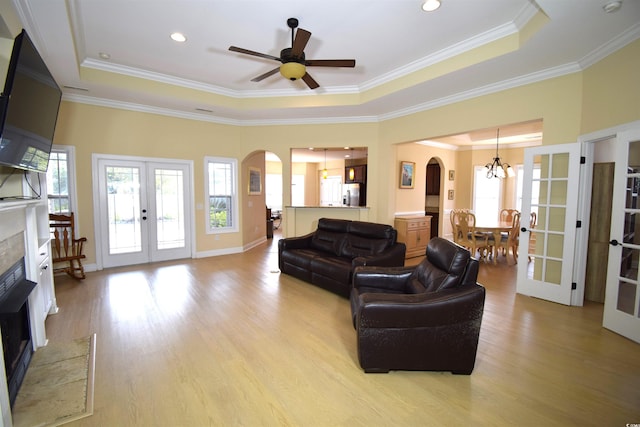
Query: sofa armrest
{"points": [[447, 307], [289, 243], [392, 279], [300, 242], [392, 257]]}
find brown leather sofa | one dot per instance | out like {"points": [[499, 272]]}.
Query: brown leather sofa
{"points": [[328, 256], [423, 318]]}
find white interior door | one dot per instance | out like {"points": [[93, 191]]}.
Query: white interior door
{"points": [[546, 252], [622, 295], [331, 191], [143, 211]]}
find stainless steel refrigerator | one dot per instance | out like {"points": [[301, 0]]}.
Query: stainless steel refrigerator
{"points": [[351, 195]]}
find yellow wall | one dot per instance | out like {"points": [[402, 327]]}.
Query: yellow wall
{"points": [[565, 104], [254, 206], [612, 90]]}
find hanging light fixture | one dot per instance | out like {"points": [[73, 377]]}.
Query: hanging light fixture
{"points": [[352, 171], [497, 169], [325, 173]]}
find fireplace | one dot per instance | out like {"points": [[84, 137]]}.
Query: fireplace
{"points": [[14, 323]]}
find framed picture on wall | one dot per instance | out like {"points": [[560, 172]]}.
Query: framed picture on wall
{"points": [[407, 174], [255, 181]]}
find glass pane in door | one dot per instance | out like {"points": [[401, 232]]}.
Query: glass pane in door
{"points": [[549, 195], [170, 226], [123, 209], [627, 298]]}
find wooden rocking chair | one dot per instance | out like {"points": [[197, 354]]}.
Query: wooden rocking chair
{"points": [[66, 249]]}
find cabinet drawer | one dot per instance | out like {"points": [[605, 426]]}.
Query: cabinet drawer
{"points": [[412, 225]]}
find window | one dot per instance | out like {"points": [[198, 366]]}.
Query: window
{"points": [[61, 180], [297, 190], [535, 187], [273, 191], [221, 194], [486, 196]]}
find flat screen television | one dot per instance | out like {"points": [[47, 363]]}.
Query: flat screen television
{"points": [[29, 107]]}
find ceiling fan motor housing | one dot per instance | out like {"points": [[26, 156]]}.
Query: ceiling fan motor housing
{"points": [[293, 67]]}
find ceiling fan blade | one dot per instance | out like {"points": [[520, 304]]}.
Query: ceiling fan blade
{"points": [[310, 81], [265, 75], [253, 53], [300, 42], [330, 63]]}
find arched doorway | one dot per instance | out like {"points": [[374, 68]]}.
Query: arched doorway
{"points": [[432, 196]]}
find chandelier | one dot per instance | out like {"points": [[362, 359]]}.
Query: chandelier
{"points": [[497, 169]]}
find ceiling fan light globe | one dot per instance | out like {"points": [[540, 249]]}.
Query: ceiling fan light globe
{"points": [[292, 70]]}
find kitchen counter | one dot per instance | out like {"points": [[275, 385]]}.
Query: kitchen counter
{"points": [[301, 220]]}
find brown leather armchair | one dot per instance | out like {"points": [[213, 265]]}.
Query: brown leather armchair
{"points": [[425, 317]]}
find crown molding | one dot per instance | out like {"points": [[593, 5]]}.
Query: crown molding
{"points": [[486, 90], [443, 54], [607, 49], [141, 108], [630, 35], [436, 144]]}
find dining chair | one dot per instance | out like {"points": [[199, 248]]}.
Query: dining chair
{"points": [[533, 221], [510, 240], [467, 235], [452, 214], [506, 215]]}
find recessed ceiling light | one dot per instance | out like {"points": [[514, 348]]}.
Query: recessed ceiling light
{"points": [[104, 55], [430, 5], [612, 6], [178, 37]]}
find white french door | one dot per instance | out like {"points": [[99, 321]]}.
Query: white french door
{"points": [[622, 295], [546, 251], [143, 211]]}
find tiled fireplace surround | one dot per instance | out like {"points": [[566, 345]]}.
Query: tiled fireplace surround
{"points": [[19, 237]]}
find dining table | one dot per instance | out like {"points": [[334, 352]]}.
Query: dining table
{"points": [[495, 227]]}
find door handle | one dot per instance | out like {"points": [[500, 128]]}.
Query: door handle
{"points": [[524, 229], [614, 242]]}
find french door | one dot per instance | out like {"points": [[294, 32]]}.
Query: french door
{"points": [[143, 211], [622, 295], [546, 251]]}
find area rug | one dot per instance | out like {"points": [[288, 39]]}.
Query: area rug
{"points": [[58, 386]]}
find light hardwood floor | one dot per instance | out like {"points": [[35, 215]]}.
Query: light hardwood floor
{"points": [[229, 341]]}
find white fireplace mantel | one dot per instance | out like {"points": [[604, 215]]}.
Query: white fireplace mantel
{"points": [[31, 218]]}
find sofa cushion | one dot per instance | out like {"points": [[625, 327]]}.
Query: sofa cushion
{"points": [[373, 231], [339, 269], [356, 246], [334, 225], [330, 242], [366, 238], [443, 268]]}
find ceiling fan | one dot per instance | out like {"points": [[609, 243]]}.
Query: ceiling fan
{"points": [[293, 59]]}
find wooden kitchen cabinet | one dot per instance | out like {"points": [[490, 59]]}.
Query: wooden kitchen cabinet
{"points": [[433, 180], [415, 232], [359, 174]]}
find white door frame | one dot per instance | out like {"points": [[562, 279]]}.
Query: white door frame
{"points": [[189, 198], [584, 205], [587, 142]]}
